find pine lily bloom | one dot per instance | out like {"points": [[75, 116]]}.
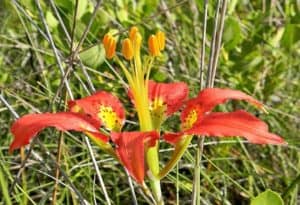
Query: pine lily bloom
{"points": [[154, 103], [197, 119], [104, 107], [88, 115]]}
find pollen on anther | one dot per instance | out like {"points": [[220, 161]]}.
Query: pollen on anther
{"points": [[153, 46], [127, 49], [132, 33], [161, 40], [109, 43]]}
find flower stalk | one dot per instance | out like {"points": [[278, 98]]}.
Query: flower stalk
{"points": [[138, 78]]}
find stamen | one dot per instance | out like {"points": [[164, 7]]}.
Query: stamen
{"points": [[136, 40], [157, 108], [132, 33], [161, 38], [153, 46], [137, 43], [76, 108], [112, 49], [127, 49], [109, 43], [106, 40]]}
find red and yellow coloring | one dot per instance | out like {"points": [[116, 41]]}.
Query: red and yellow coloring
{"points": [[154, 102]]}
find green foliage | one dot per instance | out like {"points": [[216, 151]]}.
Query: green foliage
{"points": [[290, 36], [4, 188], [260, 55], [93, 57], [232, 34], [268, 197]]}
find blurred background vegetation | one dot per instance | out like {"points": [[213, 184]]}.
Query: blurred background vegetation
{"points": [[260, 55]]}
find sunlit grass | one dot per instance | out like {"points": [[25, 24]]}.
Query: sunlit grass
{"points": [[259, 55]]}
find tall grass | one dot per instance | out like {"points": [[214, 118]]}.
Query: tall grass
{"points": [[50, 52]]}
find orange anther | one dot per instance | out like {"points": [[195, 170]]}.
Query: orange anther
{"points": [[133, 31], [161, 38], [153, 46], [127, 49], [109, 43]]}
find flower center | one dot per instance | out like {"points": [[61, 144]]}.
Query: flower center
{"points": [[190, 120], [109, 118], [157, 108]]}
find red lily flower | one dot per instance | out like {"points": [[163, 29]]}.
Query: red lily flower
{"points": [[87, 115], [131, 148], [103, 107], [197, 119], [27, 127], [167, 97], [235, 124], [164, 99], [154, 102]]}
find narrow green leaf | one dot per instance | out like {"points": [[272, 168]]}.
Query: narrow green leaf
{"points": [[4, 188]]}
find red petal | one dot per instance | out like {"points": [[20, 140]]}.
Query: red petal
{"points": [[173, 138], [102, 106], [208, 98], [171, 94], [238, 123], [130, 150], [27, 127]]}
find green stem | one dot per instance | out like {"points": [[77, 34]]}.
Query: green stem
{"points": [[180, 148], [24, 181], [196, 182], [152, 159], [139, 87], [153, 164], [156, 189]]}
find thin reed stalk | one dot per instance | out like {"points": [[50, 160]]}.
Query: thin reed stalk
{"points": [[210, 78]]}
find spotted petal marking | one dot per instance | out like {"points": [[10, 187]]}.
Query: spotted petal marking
{"points": [[168, 97], [191, 115], [109, 118], [196, 118], [102, 106], [238, 123]]}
